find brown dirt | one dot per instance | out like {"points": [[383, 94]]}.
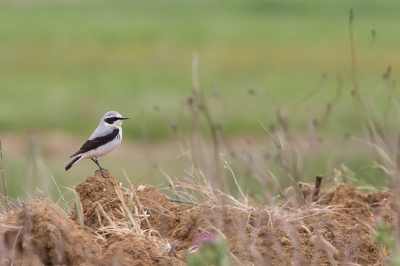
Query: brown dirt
{"points": [[335, 230], [39, 234]]}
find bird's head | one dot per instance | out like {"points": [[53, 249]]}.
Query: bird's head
{"points": [[113, 118]]}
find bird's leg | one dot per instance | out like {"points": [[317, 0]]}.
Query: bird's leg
{"points": [[100, 168]]}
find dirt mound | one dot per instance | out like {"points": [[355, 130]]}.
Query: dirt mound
{"points": [[143, 227], [105, 205], [99, 200], [336, 229], [39, 234]]}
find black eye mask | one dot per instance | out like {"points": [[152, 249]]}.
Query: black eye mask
{"points": [[111, 120]]}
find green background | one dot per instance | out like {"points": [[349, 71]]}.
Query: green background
{"points": [[64, 64]]}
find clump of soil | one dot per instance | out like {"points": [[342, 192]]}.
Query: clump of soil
{"points": [[99, 200], [102, 201], [39, 234], [335, 229]]}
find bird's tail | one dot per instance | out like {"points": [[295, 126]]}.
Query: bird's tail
{"points": [[72, 162]]}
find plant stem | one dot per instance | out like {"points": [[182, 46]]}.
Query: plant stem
{"points": [[4, 178]]}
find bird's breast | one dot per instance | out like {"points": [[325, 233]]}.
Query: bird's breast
{"points": [[106, 148]]}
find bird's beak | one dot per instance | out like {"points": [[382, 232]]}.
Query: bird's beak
{"points": [[124, 118]]}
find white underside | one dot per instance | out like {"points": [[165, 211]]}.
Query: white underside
{"points": [[102, 150]]}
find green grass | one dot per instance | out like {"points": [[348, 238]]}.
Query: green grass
{"points": [[63, 65]]}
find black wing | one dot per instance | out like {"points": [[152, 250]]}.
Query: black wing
{"points": [[97, 142]]}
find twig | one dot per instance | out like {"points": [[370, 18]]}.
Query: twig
{"points": [[182, 201], [172, 250], [373, 33], [15, 244], [318, 180], [199, 96], [4, 178], [132, 189], [398, 156], [190, 203], [354, 64], [331, 104], [283, 121], [392, 99], [79, 208], [308, 95]]}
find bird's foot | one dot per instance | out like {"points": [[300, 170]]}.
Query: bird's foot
{"points": [[104, 175]]}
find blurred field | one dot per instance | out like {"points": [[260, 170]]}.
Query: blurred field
{"points": [[63, 65]]}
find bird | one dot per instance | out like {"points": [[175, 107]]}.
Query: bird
{"points": [[104, 139]]}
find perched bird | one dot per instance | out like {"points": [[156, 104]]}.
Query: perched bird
{"points": [[104, 139]]}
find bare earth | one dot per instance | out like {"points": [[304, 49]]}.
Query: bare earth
{"points": [[337, 230]]}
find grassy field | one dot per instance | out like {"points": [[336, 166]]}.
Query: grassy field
{"points": [[63, 65]]}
